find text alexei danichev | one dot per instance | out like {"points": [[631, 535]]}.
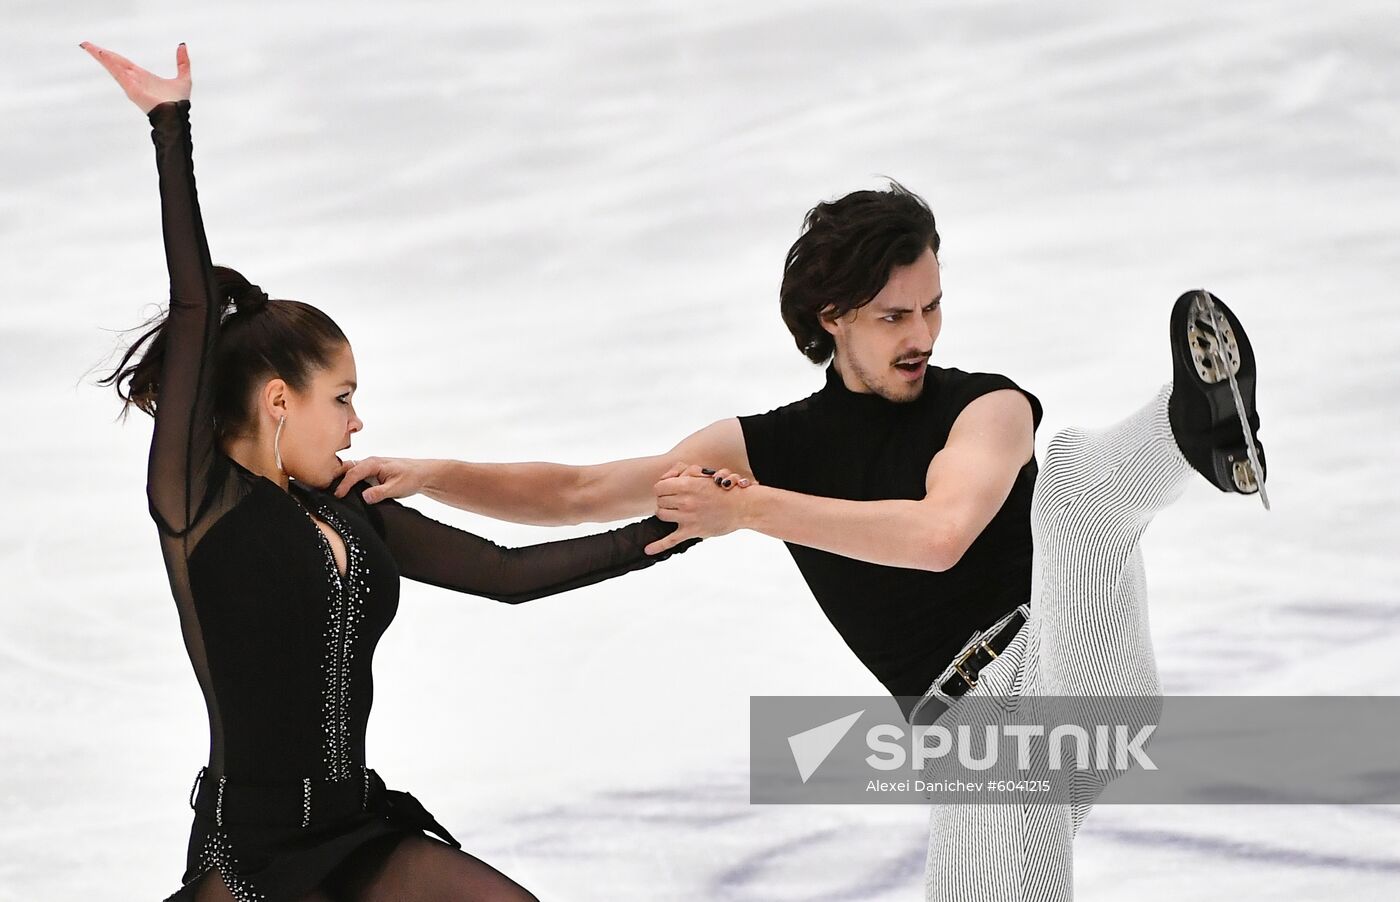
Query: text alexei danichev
{"points": [[924, 786], [929, 786]]}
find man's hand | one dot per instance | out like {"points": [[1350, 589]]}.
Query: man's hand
{"points": [[701, 501], [393, 477]]}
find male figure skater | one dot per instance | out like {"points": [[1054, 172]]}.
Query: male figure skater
{"points": [[908, 495]]}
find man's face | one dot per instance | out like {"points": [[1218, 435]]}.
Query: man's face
{"points": [[884, 346]]}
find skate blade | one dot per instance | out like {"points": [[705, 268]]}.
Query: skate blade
{"points": [[1245, 473]]}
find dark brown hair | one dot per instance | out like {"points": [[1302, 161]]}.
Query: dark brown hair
{"points": [[844, 257], [258, 339]]}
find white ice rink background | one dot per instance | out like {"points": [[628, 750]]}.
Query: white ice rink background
{"points": [[556, 231]]}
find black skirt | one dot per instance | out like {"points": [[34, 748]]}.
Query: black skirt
{"points": [[271, 843]]}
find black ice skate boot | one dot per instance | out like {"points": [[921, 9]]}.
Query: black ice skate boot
{"points": [[1213, 395]]}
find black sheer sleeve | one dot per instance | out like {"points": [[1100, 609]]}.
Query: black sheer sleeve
{"points": [[431, 552], [183, 445]]}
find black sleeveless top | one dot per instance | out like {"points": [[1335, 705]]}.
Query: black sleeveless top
{"points": [[905, 625]]}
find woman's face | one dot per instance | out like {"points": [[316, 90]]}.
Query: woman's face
{"points": [[320, 421]]}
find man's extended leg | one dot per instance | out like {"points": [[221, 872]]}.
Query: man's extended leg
{"points": [[1096, 494], [1087, 635], [1088, 632], [1099, 489]]}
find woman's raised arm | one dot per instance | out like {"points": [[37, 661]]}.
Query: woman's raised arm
{"points": [[183, 443]]}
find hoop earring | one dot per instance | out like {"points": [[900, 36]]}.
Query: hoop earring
{"points": [[277, 443]]}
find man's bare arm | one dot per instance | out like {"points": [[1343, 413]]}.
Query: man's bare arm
{"points": [[967, 482], [550, 494], [623, 488]]}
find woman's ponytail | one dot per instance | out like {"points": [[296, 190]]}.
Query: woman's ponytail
{"points": [[258, 338]]}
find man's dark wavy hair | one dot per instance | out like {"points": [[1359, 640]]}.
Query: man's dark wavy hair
{"points": [[844, 257]]}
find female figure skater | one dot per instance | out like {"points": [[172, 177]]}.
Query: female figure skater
{"points": [[283, 589]]}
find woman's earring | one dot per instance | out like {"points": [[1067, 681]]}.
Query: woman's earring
{"points": [[277, 444]]}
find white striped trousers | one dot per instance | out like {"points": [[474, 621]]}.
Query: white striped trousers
{"points": [[1087, 635]]}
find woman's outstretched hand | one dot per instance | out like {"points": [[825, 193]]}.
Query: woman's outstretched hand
{"points": [[145, 89]]}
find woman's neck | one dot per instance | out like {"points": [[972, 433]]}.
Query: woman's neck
{"points": [[256, 457]]}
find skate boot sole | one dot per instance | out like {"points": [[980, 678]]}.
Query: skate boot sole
{"points": [[1208, 340]]}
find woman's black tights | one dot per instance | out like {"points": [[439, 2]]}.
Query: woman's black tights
{"points": [[401, 868]]}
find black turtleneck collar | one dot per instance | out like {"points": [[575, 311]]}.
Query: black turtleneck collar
{"points": [[836, 392]]}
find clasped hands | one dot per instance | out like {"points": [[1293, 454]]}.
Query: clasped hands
{"points": [[702, 502]]}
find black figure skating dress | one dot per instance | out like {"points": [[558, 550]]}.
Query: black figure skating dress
{"points": [[281, 639]]}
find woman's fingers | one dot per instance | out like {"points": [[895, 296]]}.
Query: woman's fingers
{"points": [[119, 67], [696, 470], [145, 89], [100, 55], [728, 479], [724, 478], [113, 62]]}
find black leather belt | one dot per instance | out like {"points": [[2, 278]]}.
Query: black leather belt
{"points": [[962, 674], [969, 663]]}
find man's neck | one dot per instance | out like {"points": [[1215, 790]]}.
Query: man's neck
{"points": [[848, 378]]}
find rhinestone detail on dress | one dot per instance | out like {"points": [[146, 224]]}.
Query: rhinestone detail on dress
{"points": [[345, 610], [216, 854]]}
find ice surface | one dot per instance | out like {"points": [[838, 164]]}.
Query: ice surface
{"points": [[555, 231]]}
